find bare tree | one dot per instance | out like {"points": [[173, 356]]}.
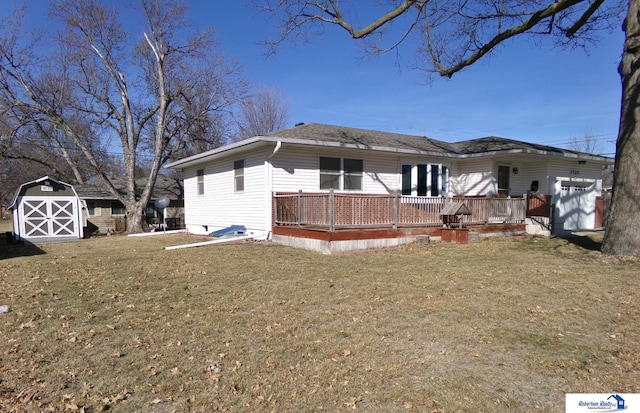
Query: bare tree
{"points": [[450, 36], [149, 97], [263, 112], [587, 143]]}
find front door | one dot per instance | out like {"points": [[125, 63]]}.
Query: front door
{"points": [[503, 180]]}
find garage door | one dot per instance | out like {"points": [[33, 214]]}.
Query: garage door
{"points": [[49, 217], [577, 205]]}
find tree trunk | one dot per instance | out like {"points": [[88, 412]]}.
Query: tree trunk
{"points": [[135, 218], [622, 235]]}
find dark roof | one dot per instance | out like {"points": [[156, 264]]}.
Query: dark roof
{"points": [[165, 187], [363, 138], [316, 134], [497, 144]]}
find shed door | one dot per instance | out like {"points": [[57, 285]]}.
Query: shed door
{"points": [[49, 217]]}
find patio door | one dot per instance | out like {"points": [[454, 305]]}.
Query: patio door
{"points": [[49, 217]]}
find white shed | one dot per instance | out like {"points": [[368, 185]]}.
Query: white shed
{"points": [[46, 210]]}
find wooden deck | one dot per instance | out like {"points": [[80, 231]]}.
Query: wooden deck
{"points": [[332, 222], [339, 211]]}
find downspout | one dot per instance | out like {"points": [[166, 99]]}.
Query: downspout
{"points": [[269, 186]]}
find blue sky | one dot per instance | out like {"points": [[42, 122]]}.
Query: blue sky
{"points": [[534, 93], [527, 92]]}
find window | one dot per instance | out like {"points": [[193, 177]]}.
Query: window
{"points": [[435, 180], [422, 180], [444, 183], [431, 180], [329, 173], [238, 175], [353, 174], [117, 208], [338, 173], [406, 179], [91, 208], [200, 174]]}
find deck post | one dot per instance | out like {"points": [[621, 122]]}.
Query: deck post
{"points": [[396, 200], [487, 205], [299, 207], [332, 225]]}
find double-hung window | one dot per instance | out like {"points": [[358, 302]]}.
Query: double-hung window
{"points": [[341, 173], [238, 175], [200, 180]]}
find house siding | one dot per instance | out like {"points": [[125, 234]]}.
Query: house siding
{"points": [[473, 177], [296, 169], [220, 205], [529, 172], [571, 170]]}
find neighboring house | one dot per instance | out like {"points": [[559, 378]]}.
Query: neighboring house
{"points": [[248, 182], [105, 214], [46, 210]]}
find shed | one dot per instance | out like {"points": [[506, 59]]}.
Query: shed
{"points": [[46, 210]]}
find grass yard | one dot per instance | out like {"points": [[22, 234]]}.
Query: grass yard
{"points": [[506, 325]]}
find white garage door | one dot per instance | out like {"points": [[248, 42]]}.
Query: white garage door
{"points": [[49, 217], [577, 205]]}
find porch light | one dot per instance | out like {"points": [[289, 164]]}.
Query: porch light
{"points": [[515, 171]]}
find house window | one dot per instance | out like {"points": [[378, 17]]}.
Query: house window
{"points": [[117, 208], [338, 173], [444, 182], [91, 208], [422, 180], [432, 180], [406, 179], [238, 175], [329, 173], [353, 171], [200, 174], [435, 180]]}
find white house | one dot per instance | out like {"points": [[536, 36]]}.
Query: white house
{"points": [[236, 184]]}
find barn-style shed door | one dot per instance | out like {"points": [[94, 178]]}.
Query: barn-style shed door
{"points": [[49, 217]]}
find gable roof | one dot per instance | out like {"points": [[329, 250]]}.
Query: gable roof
{"points": [[322, 135], [43, 179]]}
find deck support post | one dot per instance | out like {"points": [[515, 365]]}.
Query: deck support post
{"points": [[396, 200], [487, 206], [332, 225], [299, 207]]}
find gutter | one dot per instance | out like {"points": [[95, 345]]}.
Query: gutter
{"points": [[269, 188]]}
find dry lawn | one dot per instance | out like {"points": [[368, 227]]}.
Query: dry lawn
{"points": [[507, 325]]}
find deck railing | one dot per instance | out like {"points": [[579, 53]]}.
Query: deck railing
{"points": [[331, 211]]}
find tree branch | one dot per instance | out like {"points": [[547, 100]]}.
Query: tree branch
{"points": [[570, 32], [504, 35]]}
